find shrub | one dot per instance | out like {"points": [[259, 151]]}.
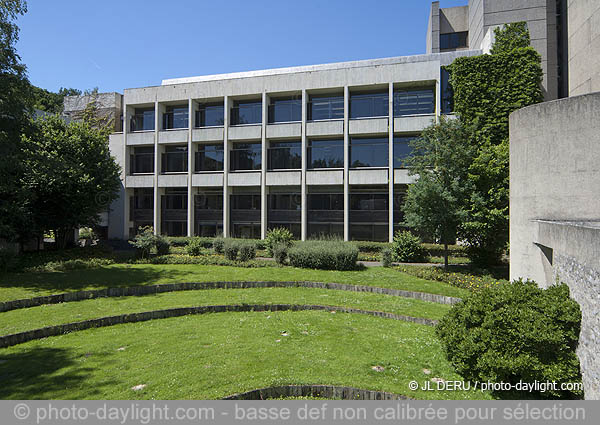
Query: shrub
{"points": [[327, 255], [219, 245], [278, 236], [515, 332], [87, 233], [231, 248], [144, 241], [8, 259], [371, 247], [407, 248], [474, 280], [194, 247], [280, 252], [247, 250], [387, 257], [162, 245]]}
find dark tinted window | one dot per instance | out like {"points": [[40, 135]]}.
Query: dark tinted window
{"points": [[142, 160], [285, 155], [447, 92], [175, 199], [326, 201], [326, 153], [209, 115], [402, 150], [245, 202], [209, 201], [285, 202], [209, 158], [143, 199], [369, 152], [175, 117], [369, 105], [455, 40], [246, 156], [175, 159], [369, 201], [326, 108], [246, 113], [142, 120], [285, 110], [414, 102]]}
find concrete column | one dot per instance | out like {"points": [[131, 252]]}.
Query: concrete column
{"points": [[156, 218], [190, 203], [391, 163], [125, 171], [263, 169], [226, 116], [438, 95], [303, 187], [346, 165]]}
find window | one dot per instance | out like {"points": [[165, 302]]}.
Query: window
{"points": [[209, 229], [326, 153], [174, 211], [455, 40], [175, 199], [175, 117], [246, 156], [447, 92], [402, 150], [246, 230], [208, 214], [246, 113], [245, 216], [326, 201], [174, 228], [175, 159], [285, 202], [285, 155], [143, 199], [369, 202], [142, 120], [325, 108], [369, 152], [141, 160], [414, 102], [369, 105], [210, 115], [209, 201], [209, 158], [369, 216], [245, 202], [285, 110], [285, 211]]}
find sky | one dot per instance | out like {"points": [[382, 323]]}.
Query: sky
{"points": [[118, 44]]}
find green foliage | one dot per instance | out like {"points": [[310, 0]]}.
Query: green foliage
{"points": [[407, 248], [219, 245], [247, 250], [510, 37], [370, 247], [204, 242], [325, 255], [8, 259], [470, 279], [50, 102], [515, 332], [162, 245], [487, 89], [87, 233], [280, 252], [204, 260], [231, 248], [194, 247], [387, 257], [70, 174], [145, 241], [277, 236]]}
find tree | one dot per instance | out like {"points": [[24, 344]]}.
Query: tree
{"points": [[15, 107], [51, 102], [487, 89], [71, 173], [436, 204]]}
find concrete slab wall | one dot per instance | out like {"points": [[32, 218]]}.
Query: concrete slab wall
{"points": [[454, 19], [554, 196], [584, 46]]}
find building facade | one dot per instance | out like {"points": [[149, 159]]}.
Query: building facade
{"points": [[315, 149]]}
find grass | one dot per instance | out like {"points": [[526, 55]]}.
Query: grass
{"points": [[55, 314], [215, 355], [26, 285]]}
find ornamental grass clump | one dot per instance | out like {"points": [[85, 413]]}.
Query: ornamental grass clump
{"points": [[325, 255]]}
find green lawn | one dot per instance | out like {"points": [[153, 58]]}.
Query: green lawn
{"points": [[214, 355], [26, 285], [55, 314]]}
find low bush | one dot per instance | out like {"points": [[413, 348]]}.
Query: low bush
{"points": [[371, 247], [515, 333], [77, 264], [437, 250], [475, 280], [280, 252], [279, 235], [218, 245], [326, 255], [194, 247], [247, 250], [144, 241], [407, 248], [204, 260], [162, 245], [387, 257], [231, 249]]}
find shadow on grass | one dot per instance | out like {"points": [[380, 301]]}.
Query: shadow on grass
{"points": [[37, 372]]}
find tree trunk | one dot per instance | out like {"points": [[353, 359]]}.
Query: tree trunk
{"points": [[445, 256]]}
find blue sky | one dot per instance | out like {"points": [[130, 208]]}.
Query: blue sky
{"points": [[134, 43]]}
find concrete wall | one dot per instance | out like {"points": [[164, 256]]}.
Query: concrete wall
{"points": [[109, 106], [584, 46], [433, 29], [454, 19], [555, 207]]}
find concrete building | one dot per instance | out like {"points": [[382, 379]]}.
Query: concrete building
{"points": [[555, 187], [472, 27], [315, 149]]}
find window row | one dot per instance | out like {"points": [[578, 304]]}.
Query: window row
{"points": [[289, 109], [325, 153]]}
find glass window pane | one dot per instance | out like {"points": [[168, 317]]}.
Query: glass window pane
{"points": [[368, 105], [402, 150], [369, 152], [326, 154], [326, 108], [414, 102]]}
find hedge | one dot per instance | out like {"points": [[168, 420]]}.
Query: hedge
{"points": [[325, 255]]}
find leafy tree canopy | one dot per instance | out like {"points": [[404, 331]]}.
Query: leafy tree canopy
{"points": [[510, 37]]}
